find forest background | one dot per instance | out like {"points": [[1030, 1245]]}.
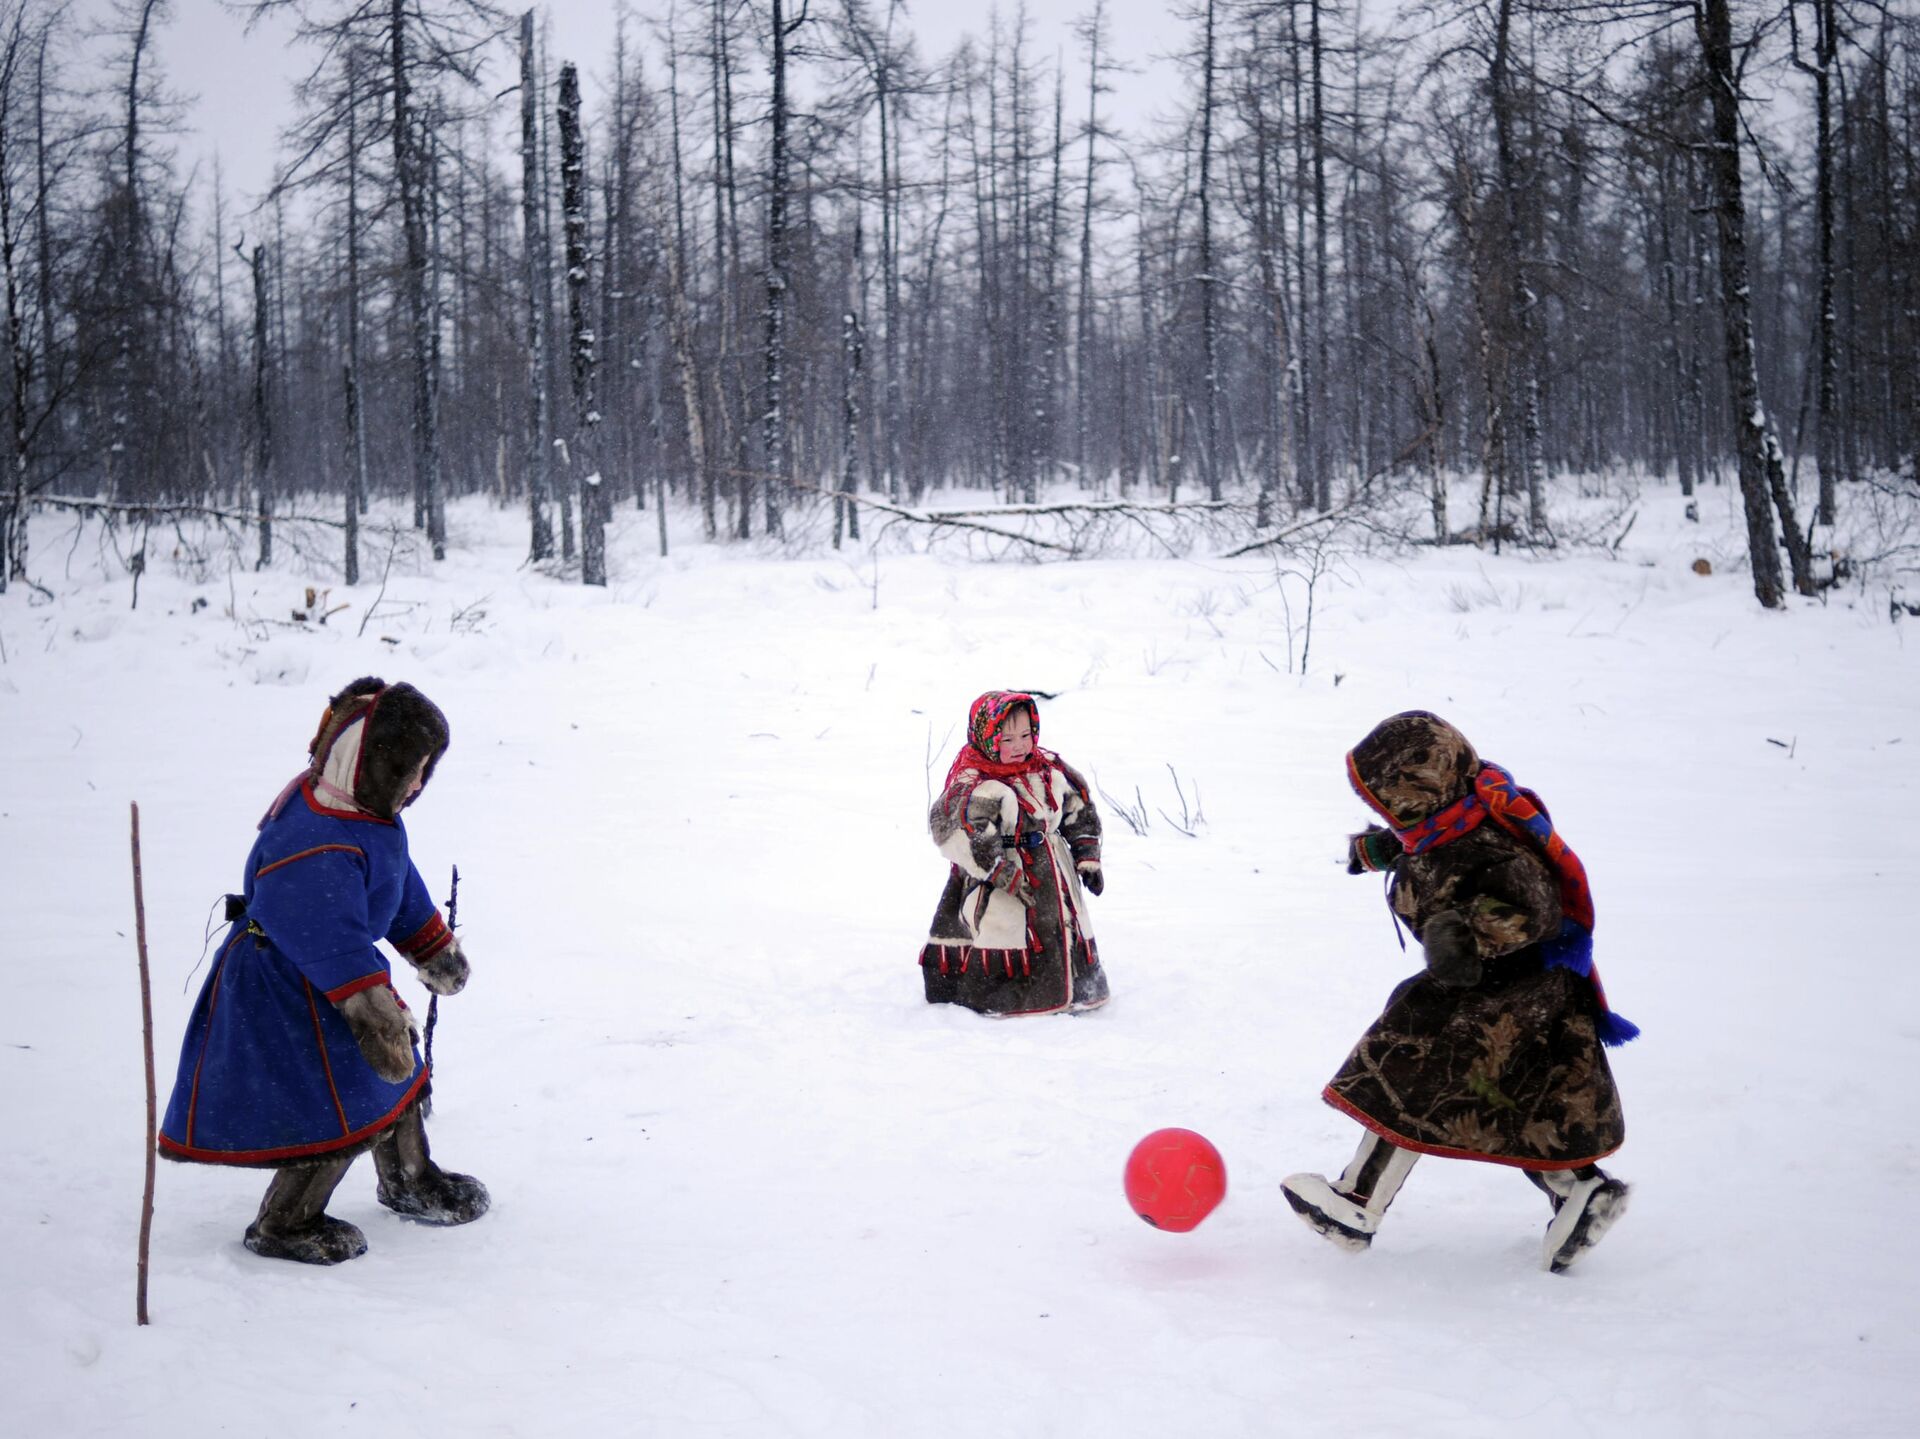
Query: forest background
{"points": [[781, 265]]}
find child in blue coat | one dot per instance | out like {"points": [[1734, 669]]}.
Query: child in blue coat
{"points": [[298, 1054]]}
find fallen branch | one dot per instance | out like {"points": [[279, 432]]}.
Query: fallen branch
{"points": [[1088, 507], [1362, 491], [1287, 532], [170, 511], [958, 520]]}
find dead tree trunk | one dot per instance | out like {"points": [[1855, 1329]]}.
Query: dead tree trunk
{"points": [[1094, 33], [1761, 473], [583, 450], [13, 506], [262, 411], [1209, 316], [533, 230], [1522, 374], [852, 358], [1317, 395], [1825, 45], [410, 170], [778, 263], [356, 424], [680, 324]]}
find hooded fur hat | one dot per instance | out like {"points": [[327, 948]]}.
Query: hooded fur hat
{"points": [[371, 739], [1412, 766]]}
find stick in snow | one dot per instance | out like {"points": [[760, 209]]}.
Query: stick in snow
{"points": [[146, 1027]]}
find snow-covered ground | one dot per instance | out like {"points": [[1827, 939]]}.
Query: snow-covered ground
{"points": [[747, 1183]]}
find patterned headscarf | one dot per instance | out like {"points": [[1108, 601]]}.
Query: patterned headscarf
{"points": [[981, 752]]}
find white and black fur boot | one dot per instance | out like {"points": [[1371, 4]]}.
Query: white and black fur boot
{"points": [[1348, 1210], [410, 1183], [1586, 1202]]}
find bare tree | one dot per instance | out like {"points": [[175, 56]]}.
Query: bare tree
{"points": [[534, 242], [583, 449], [1761, 473], [779, 261]]}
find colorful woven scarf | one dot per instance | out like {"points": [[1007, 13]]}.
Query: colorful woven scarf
{"points": [[981, 752], [1523, 814]]}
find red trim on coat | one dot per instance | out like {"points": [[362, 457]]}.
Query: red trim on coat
{"points": [[213, 1003], [936, 949], [427, 941], [326, 1064], [1367, 1121], [295, 1151], [353, 987], [314, 804], [317, 849]]}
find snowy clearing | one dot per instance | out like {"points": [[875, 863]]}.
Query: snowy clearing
{"points": [[747, 1183]]}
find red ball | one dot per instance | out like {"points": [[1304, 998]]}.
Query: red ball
{"points": [[1175, 1179]]}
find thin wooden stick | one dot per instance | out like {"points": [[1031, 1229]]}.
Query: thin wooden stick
{"points": [[433, 1000], [146, 1029]]}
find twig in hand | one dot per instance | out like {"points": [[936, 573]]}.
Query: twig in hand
{"points": [[433, 1000], [146, 1029]]}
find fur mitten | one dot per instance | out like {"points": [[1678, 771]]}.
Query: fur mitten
{"points": [[1371, 851], [1453, 955], [381, 1029], [1011, 875], [445, 972], [1092, 879]]}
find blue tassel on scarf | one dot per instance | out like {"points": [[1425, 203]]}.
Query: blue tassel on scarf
{"points": [[1572, 949]]}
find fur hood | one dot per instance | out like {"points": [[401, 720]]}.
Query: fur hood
{"points": [[370, 740], [1412, 766]]}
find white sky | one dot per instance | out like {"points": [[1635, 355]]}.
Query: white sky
{"points": [[242, 81]]}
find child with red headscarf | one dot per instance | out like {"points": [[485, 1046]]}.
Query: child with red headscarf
{"points": [[1018, 825]]}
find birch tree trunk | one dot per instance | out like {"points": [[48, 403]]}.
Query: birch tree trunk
{"points": [[538, 451], [1522, 374], [1761, 473], [1209, 317], [775, 417], [583, 451]]}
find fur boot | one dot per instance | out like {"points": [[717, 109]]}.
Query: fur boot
{"points": [[1348, 1210], [413, 1185], [293, 1222], [1586, 1202]]}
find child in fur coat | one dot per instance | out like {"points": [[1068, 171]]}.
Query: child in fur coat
{"points": [[1495, 1052], [1018, 826], [298, 1054]]}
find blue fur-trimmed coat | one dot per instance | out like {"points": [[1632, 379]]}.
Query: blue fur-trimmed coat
{"points": [[269, 1070]]}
